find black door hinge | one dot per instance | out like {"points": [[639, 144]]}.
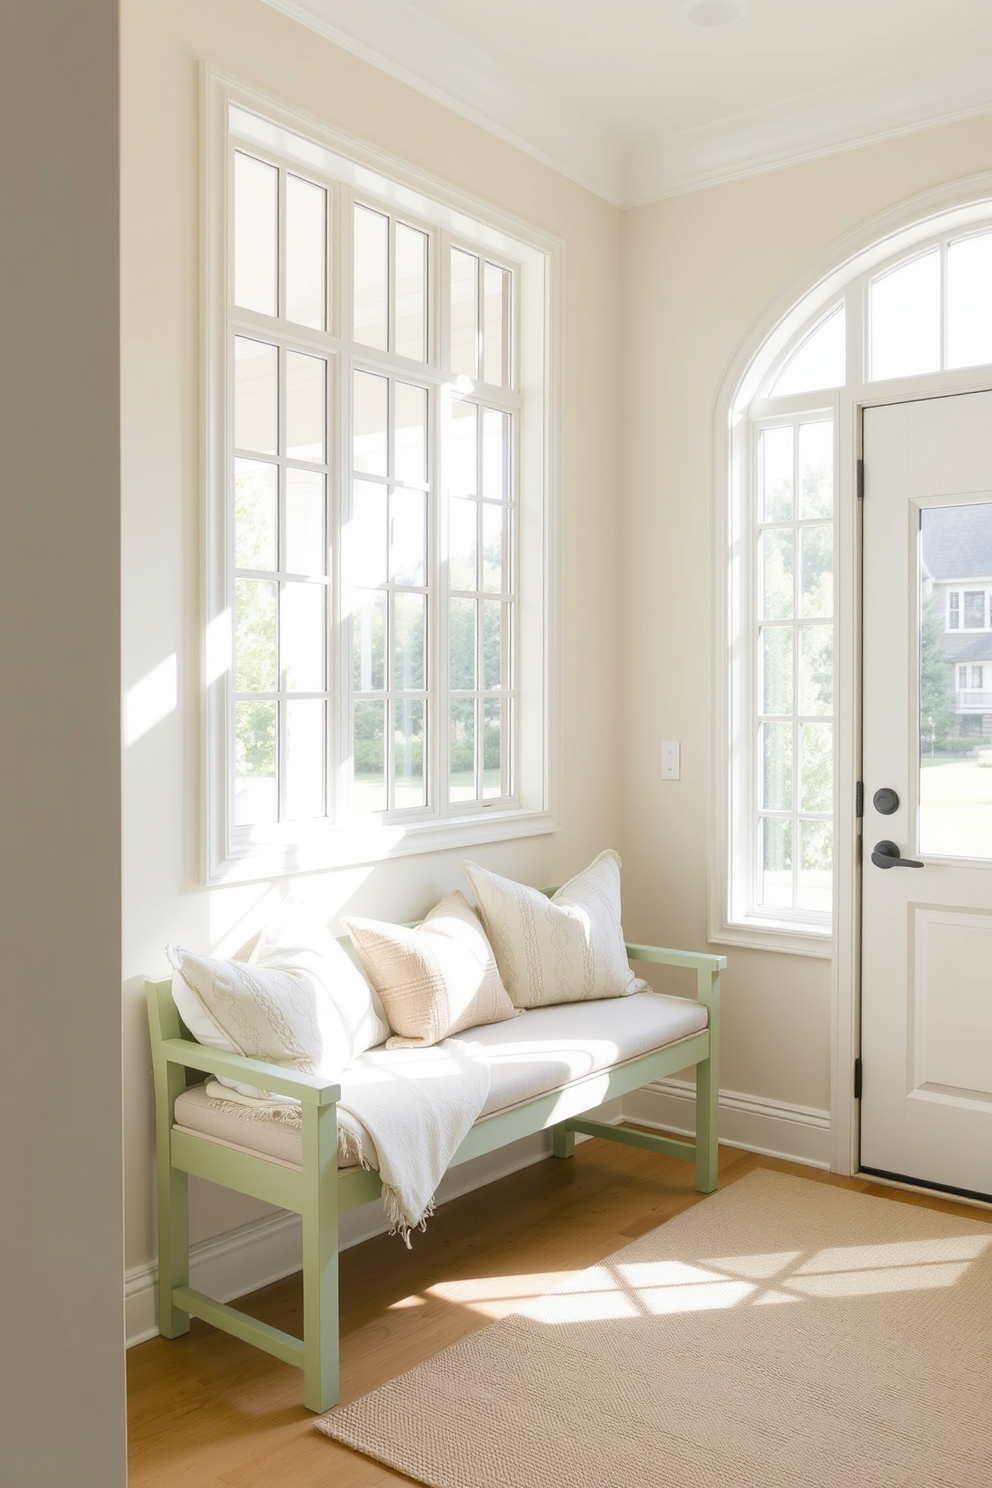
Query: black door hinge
{"points": [[859, 798], [857, 1079], [861, 480]]}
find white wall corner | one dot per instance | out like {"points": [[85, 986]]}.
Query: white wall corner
{"points": [[773, 1128]]}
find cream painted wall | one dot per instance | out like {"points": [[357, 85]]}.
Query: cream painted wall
{"points": [[62, 1416], [163, 42], [698, 271]]}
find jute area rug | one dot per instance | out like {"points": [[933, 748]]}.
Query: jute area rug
{"points": [[782, 1333]]}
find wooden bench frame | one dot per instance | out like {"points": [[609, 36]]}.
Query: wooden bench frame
{"points": [[319, 1191]]}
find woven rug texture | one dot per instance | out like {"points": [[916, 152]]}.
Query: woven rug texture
{"points": [[783, 1333]]}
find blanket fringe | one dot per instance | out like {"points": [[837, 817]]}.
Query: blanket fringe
{"points": [[286, 1115], [399, 1224]]}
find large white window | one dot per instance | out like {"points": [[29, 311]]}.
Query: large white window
{"points": [[380, 505], [910, 316]]}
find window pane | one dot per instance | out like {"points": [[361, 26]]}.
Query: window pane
{"points": [[255, 799], [408, 534], [777, 560], [371, 270], [411, 292], [969, 301], [904, 307], [461, 450], [256, 395], [302, 637], [820, 361], [496, 343], [955, 781], [816, 469], [816, 669], [368, 792], [410, 775], [817, 766], [306, 404], [493, 616], [255, 507], [495, 454], [775, 448], [369, 414], [776, 863], [495, 579], [816, 865], [368, 637], [816, 583], [461, 644], [776, 669], [255, 635], [974, 609], [494, 733], [461, 780], [305, 752], [409, 637], [306, 542], [368, 535], [410, 434], [464, 313], [776, 771], [462, 542], [256, 234], [306, 252]]}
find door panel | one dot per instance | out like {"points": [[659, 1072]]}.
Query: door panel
{"points": [[926, 1014]]}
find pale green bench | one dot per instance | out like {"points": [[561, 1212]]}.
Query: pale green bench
{"points": [[319, 1191]]}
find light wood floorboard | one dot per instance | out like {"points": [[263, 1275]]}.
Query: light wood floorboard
{"points": [[207, 1410]]}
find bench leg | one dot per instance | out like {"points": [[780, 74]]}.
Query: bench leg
{"points": [[173, 1225], [707, 1105], [562, 1141], [321, 1382]]}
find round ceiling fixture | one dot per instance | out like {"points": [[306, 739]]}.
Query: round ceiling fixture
{"points": [[714, 12]]}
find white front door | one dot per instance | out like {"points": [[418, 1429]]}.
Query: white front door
{"points": [[926, 991]]}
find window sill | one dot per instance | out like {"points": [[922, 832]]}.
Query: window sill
{"points": [[348, 847], [771, 936]]}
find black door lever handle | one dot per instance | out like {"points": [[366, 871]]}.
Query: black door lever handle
{"points": [[886, 854]]}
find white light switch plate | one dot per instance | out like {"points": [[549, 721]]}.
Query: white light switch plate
{"points": [[670, 761]]}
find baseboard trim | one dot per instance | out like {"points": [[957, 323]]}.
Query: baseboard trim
{"points": [[774, 1128], [266, 1250]]}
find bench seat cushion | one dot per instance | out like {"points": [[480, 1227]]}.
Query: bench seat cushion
{"points": [[541, 1050]]}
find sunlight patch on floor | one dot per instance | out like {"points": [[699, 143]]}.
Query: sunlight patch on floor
{"points": [[629, 1290]]}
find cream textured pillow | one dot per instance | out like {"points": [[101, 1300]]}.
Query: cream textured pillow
{"points": [[566, 949], [299, 1001], [435, 980]]}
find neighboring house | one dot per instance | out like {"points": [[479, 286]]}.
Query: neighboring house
{"points": [[957, 568]]}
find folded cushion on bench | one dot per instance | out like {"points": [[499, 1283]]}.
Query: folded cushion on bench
{"points": [[544, 1049]]}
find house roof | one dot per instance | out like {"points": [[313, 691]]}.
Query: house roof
{"points": [[957, 541], [968, 648]]}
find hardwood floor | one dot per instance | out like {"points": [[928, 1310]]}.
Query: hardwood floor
{"points": [[208, 1410]]}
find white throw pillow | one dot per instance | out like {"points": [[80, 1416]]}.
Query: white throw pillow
{"points": [[435, 980], [299, 1001], [566, 949]]}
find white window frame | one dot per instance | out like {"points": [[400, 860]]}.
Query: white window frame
{"points": [[959, 593], [231, 854], [842, 274]]}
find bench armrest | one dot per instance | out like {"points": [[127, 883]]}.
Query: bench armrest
{"points": [[706, 967], [311, 1090]]}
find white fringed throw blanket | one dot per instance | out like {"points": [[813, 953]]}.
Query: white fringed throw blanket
{"points": [[417, 1105]]}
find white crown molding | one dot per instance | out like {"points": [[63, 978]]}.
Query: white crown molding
{"points": [[806, 128], [389, 34], [430, 59]]}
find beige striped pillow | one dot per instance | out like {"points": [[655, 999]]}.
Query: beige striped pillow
{"points": [[566, 949], [435, 980]]}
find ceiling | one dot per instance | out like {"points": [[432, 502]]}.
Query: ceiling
{"points": [[629, 99]]}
